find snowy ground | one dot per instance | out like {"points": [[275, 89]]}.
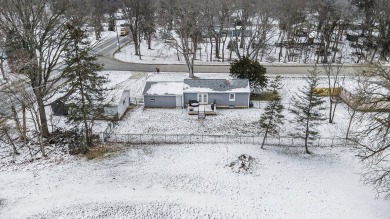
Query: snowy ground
{"points": [[162, 53], [193, 181], [228, 121]]}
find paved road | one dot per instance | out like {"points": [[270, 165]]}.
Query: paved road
{"points": [[106, 49]]}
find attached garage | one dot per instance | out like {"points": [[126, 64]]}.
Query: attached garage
{"points": [[163, 94]]}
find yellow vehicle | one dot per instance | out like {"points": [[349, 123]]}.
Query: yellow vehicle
{"points": [[124, 31]]}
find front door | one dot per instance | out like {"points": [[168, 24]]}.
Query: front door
{"points": [[203, 98]]}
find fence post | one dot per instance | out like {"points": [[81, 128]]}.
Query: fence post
{"points": [[332, 143], [140, 138]]}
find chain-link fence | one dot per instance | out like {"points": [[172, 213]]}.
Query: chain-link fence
{"points": [[226, 139]]}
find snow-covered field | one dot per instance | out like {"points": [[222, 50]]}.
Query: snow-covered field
{"points": [[193, 181]]}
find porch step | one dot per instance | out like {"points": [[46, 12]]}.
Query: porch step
{"points": [[201, 115]]}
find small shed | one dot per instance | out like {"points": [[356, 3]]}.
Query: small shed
{"points": [[233, 93], [59, 107], [118, 105], [113, 107], [163, 94]]}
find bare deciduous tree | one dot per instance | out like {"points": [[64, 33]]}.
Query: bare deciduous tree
{"points": [[34, 44], [183, 18], [374, 134], [334, 79], [139, 15]]}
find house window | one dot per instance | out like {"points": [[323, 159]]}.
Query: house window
{"points": [[152, 99], [232, 97], [203, 98]]}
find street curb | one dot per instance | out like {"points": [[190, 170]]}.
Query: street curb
{"points": [[282, 65]]}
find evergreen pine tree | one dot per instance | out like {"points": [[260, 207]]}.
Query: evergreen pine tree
{"points": [[272, 118], [246, 68], [307, 109], [84, 84]]}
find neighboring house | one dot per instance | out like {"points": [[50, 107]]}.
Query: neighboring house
{"points": [[163, 94], [234, 93]]}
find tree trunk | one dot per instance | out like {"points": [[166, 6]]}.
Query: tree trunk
{"points": [[265, 137], [281, 36], [330, 106], [149, 36], [2, 67], [24, 122], [217, 46], [211, 49], [191, 71], [42, 114], [38, 128], [350, 123], [10, 140], [17, 122], [223, 51], [139, 46], [334, 111], [134, 35], [307, 137]]}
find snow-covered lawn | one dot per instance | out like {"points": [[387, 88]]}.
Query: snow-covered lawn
{"points": [[226, 122], [193, 181], [142, 120]]}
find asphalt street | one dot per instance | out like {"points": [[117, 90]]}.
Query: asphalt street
{"points": [[106, 49]]}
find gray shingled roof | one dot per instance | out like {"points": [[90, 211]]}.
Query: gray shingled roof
{"points": [[217, 84]]}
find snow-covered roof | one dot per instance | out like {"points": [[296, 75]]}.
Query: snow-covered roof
{"points": [[216, 85], [163, 88]]}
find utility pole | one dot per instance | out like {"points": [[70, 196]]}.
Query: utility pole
{"points": [[117, 36]]}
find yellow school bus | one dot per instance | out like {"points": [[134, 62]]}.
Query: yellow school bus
{"points": [[124, 31]]}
